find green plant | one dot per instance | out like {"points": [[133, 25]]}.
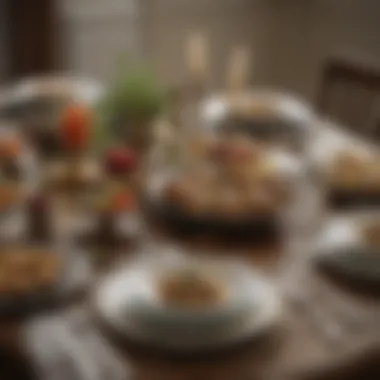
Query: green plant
{"points": [[135, 98], [136, 94]]}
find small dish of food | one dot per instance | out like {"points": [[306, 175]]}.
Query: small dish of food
{"points": [[38, 276], [350, 247], [236, 186], [190, 289], [23, 271], [188, 304], [352, 180], [27, 276]]}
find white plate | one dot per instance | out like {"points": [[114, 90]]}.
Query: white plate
{"points": [[18, 102], [81, 89], [128, 302], [341, 248], [330, 141], [337, 234], [289, 108]]}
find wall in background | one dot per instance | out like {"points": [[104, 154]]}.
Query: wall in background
{"points": [[3, 44], [226, 23], [306, 33], [290, 39], [348, 28], [95, 33]]}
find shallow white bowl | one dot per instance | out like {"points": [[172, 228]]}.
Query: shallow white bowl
{"points": [[129, 302]]}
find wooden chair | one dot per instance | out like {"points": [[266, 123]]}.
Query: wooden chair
{"points": [[350, 95]]}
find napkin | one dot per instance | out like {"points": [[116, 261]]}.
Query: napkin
{"points": [[68, 346]]}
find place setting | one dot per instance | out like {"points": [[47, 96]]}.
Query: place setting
{"points": [[90, 180], [180, 303], [348, 248]]}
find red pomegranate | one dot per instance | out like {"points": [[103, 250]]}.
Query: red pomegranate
{"points": [[120, 161]]}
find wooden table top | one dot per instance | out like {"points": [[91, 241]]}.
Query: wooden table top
{"points": [[327, 331], [336, 336]]}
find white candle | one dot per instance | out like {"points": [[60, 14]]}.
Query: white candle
{"points": [[237, 71], [197, 57]]}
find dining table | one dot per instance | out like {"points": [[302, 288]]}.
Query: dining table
{"points": [[326, 331]]}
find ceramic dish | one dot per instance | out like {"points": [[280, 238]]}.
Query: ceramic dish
{"points": [[66, 281], [330, 144], [260, 227], [129, 302], [262, 113], [342, 249], [330, 140], [35, 105], [33, 97]]}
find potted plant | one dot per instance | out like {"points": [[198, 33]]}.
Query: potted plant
{"points": [[130, 106]]}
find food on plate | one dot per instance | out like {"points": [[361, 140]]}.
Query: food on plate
{"points": [[236, 179], [75, 128], [348, 170], [247, 106], [121, 161], [191, 289], [23, 270], [353, 178], [42, 114]]}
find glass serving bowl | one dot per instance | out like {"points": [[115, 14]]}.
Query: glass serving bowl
{"points": [[281, 167], [133, 292], [343, 246], [263, 113]]}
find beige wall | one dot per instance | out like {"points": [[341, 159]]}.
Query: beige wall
{"points": [[290, 39], [95, 33], [226, 23]]}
